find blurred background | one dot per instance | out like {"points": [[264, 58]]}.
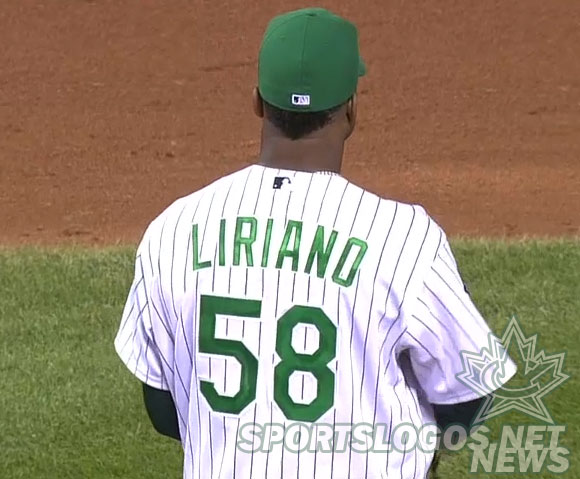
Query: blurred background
{"points": [[110, 110]]}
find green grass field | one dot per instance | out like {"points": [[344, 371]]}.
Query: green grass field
{"points": [[70, 409]]}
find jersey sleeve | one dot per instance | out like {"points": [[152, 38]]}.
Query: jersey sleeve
{"points": [[140, 342], [441, 328]]}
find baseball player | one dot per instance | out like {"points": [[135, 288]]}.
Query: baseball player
{"points": [[282, 318]]}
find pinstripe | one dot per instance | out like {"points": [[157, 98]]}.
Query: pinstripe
{"points": [[447, 250], [453, 271], [272, 402], [315, 451], [352, 322], [305, 197], [406, 286], [227, 330], [259, 355], [276, 315], [400, 309], [417, 256], [131, 337], [230, 276], [288, 203], [351, 371], [195, 324], [442, 304], [373, 293], [166, 314], [235, 448], [179, 376], [401, 416], [332, 456], [244, 190], [419, 416], [356, 212], [214, 269], [130, 313], [274, 197], [390, 431], [323, 197], [340, 203], [374, 218], [211, 444], [168, 365], [441, 323], [252, 451], [189, 350], [270, 439], [439, 242], [377, 386], [283, 448], [259, 190], [453, 292], [426, 325], [425, 349], [148, 365], [200, 250], [227, 196], [224, 447], [173, 259]]}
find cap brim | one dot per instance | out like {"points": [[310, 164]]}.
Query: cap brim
{"points": [[362, 68]]}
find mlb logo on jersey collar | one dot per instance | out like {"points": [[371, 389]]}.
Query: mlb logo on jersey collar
{"points": [[281, 182], [301, 100]]}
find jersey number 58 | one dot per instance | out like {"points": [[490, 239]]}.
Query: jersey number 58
{"points": [[316, 363]]}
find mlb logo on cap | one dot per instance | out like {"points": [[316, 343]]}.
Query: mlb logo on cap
{"points": [[301, 100]]}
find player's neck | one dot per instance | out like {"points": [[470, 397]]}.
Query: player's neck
{"points": [[312, 154]]}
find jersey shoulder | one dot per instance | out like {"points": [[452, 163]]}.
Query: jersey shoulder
{"points": [[178, 210], [412, 212]]}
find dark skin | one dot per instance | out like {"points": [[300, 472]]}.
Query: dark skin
{"points": [[321, 150]]}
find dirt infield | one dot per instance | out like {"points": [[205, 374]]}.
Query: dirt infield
{"points": [[109, 110]]}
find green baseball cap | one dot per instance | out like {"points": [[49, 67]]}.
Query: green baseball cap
{"points": [[309, 61]]}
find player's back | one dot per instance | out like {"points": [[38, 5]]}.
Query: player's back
{"points": [[278, 299]]}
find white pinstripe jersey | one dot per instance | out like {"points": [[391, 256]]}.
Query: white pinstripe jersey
{"points": [[273, 300]]}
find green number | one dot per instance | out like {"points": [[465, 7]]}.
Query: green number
{"points": [[316, 363], [291, 361], [211, 306]]}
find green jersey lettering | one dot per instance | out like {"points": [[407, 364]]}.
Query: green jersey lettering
{"points": [[246, 241], [222, 246], [293, 229], [197, 264], [362, 249], [321, 252], [266, 249]]}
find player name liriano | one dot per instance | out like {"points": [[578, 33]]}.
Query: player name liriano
{"points": [[246, 241]]}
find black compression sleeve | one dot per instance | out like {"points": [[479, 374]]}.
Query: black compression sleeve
{"points": [[462, 413], [161, 410]]}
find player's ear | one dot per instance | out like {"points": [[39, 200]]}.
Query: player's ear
{"points": [[351, 112], [257, 103]]}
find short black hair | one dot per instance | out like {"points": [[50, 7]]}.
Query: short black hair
{"points": [[296, 125]]}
